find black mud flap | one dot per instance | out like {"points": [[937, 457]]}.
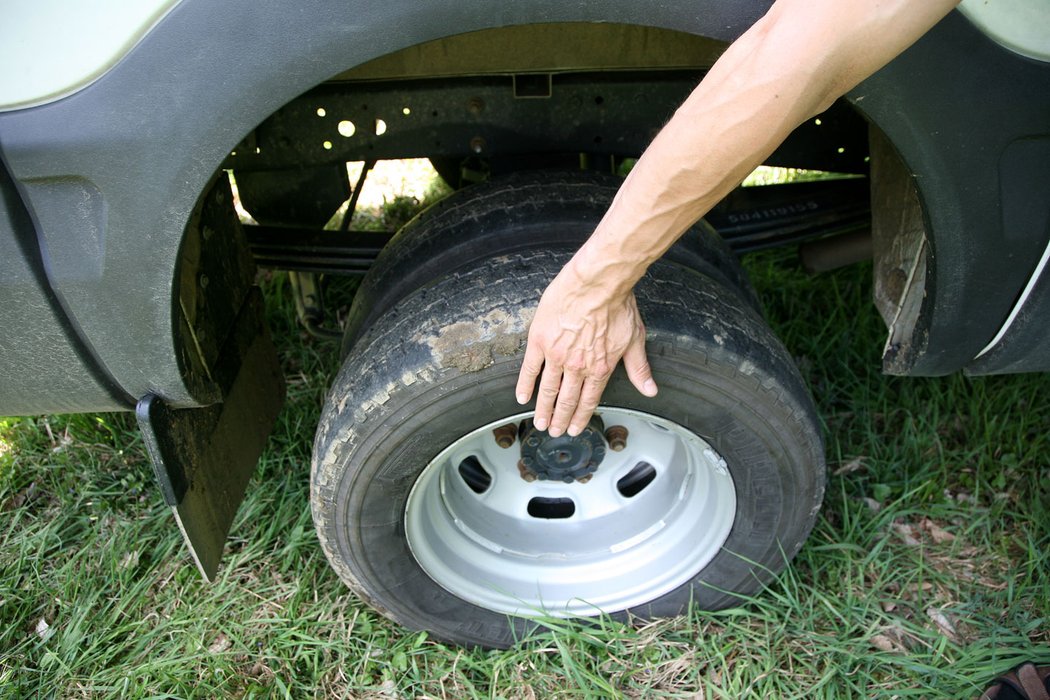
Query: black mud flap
{"points": [[204, 457]]}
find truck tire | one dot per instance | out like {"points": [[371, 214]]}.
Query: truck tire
{"points": [[430, 520], [553, 210]]}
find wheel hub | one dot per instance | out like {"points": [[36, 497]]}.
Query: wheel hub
{"points": [[563, 458]]}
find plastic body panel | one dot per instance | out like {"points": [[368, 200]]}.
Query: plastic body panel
{"points": [[43, 362], [1025, 181], [952, 105], [145, 138]]}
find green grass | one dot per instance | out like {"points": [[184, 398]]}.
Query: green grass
{"points": [[928, 571]]}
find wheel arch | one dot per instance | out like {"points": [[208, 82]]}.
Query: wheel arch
{"points": [[151, 133]]}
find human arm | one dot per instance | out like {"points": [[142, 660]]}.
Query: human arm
{"points": [[791, 65]]}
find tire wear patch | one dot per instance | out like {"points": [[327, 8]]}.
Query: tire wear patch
{"points": [[471, 346]]}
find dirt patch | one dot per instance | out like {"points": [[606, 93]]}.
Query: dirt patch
{"points": [[471, 346]]}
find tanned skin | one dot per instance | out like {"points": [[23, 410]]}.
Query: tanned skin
{"points": [[787, 68]]}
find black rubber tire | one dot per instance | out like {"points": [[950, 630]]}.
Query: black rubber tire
{"points": [[537, 209], [444, 361]]}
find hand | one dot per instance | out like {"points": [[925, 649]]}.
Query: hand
{"points": [[578, 335]]}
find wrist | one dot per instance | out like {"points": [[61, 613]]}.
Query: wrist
{"points": [[598, 267], [594, 274]]}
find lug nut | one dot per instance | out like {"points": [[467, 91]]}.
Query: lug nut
{"points": [[525, 472], [616, 436], [505, 435]]}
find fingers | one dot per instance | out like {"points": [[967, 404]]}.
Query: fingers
{"points": [[530, 369], [573, 355], [637, 365], [550, 384], [568, 400], [590, 395]]}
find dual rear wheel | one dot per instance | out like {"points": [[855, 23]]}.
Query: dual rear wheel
{"points": [[438, 503]]}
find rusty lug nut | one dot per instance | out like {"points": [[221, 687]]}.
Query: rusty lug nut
{"points": [[585, 479], [505, 435], [525, 473], [616, 436]]}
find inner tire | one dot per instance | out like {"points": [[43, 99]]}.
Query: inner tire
{"points": [[442, 364], [550, 210]]}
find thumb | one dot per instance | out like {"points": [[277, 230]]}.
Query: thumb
{"points": [[637, 366]]}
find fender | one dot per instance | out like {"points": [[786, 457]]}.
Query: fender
{"points": [[149, 134], [970, 121]]}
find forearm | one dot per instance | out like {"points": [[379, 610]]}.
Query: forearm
{"points": [[787, 68]]}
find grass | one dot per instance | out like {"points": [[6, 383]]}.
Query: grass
{"points": [[927, 574]]}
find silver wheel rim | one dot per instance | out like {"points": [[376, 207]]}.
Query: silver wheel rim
{"points": [[619, 548]]}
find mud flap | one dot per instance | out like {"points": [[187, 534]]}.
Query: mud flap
{"points": [[204, 457]]}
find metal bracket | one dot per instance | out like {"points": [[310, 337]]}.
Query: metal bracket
{"points": [[204, 457]]}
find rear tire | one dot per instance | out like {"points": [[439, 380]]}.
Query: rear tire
{"points": [[439, 367]]}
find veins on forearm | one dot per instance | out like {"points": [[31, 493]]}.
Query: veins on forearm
{"points": [[785, 69]]}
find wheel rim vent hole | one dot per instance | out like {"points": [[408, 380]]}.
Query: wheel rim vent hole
{"points": [[551, 508], [634, 482], [474, 475]]}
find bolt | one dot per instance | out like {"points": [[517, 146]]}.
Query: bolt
{"points": [[585, 479], [525, 473], [477, 145], [616, 436], [204, 281], [475, 105], [505, 435]]}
